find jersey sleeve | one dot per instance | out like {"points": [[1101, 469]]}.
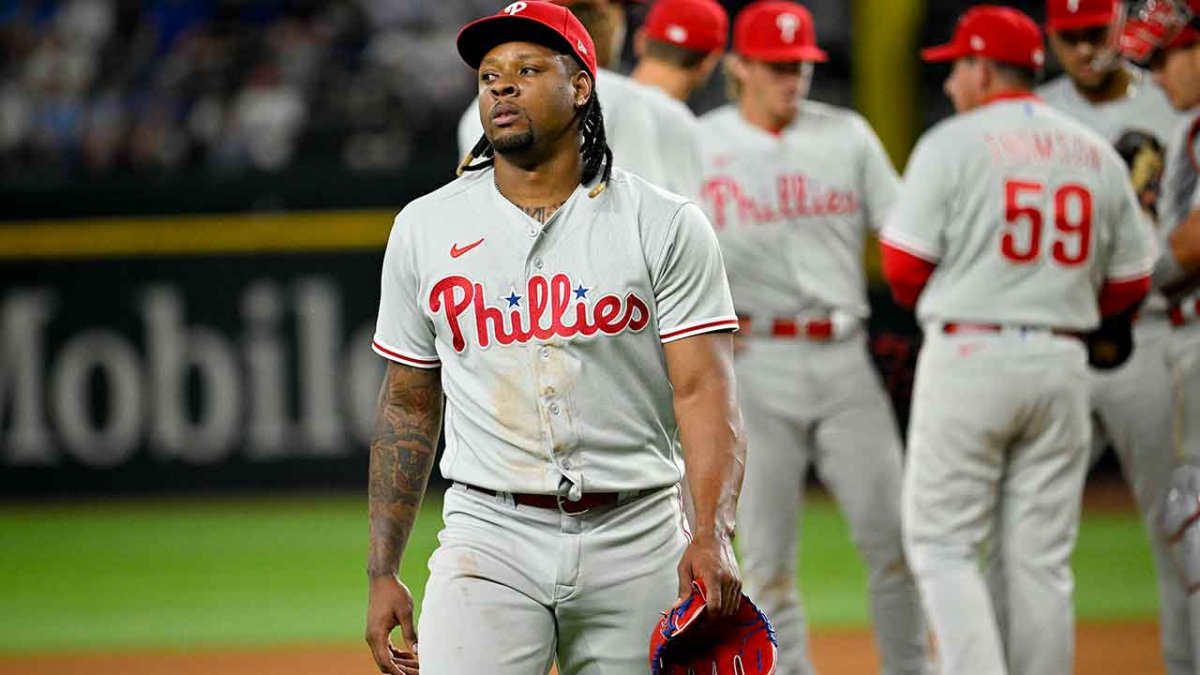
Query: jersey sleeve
{"points": [[691, 291], [917, 223], [403, 333], [881, 184], [1134, 248]]}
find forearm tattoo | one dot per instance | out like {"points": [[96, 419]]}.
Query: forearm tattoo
{"points": [[407, 426]]}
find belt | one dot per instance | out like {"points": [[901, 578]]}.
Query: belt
{"points": [[819, 329], [588, 501], [1181, 313], [958, 327]]}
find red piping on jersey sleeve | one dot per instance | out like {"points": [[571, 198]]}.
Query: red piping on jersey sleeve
{"points": [[906, 273], [1117, 296]]}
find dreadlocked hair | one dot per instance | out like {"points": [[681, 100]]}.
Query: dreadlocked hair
{"points": [[597, 156]]}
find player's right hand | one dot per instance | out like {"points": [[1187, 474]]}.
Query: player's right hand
{"points": [[390, 604]]}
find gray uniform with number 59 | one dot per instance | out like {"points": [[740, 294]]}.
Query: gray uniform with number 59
{"points": [[1026, 214]]}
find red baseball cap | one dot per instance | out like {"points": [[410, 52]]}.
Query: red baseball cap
{"points": [[543, 23], [568, 3], [1072, 14], [1000, 33], [699, 25], [1158, 25], [778, 31]]}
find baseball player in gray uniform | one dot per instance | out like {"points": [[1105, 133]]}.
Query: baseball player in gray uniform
{"points": [[1166, 35], [792, 226], [1130, 404], [576, 320], [649, 134], [1017, 229]]}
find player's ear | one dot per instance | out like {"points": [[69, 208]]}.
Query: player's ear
{"points": [[583, 87], [709, 64]]}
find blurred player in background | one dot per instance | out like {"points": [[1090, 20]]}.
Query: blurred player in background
{"points": [[793, 187], [1017, 230], [640, 124], [1130, 404], [678, 47], [1166, 36]]}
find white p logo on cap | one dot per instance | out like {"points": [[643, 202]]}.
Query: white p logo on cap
{"points": [[978, 43], [677, 34], [515, 8], [1072, 6], [788, 24]]}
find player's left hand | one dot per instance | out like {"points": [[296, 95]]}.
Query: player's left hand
{"points": [[710, 559]]}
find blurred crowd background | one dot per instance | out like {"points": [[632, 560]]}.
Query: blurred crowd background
{"points": [[109, 96]]}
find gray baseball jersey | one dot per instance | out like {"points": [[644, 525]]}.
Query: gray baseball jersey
{"points": [[792, 222], [648, 136], [1025, 211], [678, 141], [550, 338], [1181, 178], [1131, 405], [1145, 108], [792, 211]]}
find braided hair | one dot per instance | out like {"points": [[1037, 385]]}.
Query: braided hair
{"points": [[597, 156]]}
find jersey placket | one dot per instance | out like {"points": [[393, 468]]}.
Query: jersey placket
{"points": [[553, 367]]}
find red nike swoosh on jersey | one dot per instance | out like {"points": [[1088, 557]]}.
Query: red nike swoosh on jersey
{"points": [[455, 251]]}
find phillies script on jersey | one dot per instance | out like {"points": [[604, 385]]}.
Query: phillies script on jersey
{"points": [[796, 195], [551, 307]]}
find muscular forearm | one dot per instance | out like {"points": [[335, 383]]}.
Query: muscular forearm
{"points": [[407, 427], [714, 448]]}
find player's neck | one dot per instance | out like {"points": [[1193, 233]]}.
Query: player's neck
{"points": [[676, 82], [1114, 86], [758, 117], [549, 181]]}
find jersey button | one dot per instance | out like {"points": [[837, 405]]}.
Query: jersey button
{"points": [[544, 352], [554, 408], [537, 262], [566, 464]]}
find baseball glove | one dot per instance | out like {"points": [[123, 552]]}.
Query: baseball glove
{"points": [[1143, 154], [687, 641], [1111, 344]]}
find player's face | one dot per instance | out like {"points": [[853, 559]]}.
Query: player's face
{"points": [[776, 88], [1078, 51], [1178, 73], [528, 95], [966, 84]]}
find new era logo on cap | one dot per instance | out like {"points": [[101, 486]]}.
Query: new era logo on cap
{"points": [[677, 34]]}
